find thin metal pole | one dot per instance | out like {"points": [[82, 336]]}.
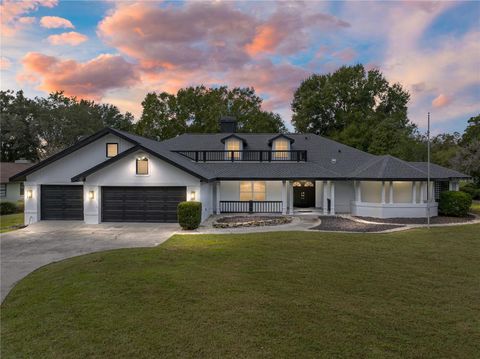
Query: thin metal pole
{"points": [[428, 171]]}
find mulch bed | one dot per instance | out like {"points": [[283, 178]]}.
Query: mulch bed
{"points": [[250, 221], [347, 225], [433, 220]]}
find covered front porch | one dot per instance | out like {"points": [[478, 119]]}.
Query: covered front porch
{"points": [[283, 197], [365, 198]]}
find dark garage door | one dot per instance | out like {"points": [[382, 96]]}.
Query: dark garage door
{"points": [[61, 202], [141, 204]]}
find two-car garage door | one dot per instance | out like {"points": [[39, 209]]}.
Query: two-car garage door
{"points": [[141, 204], [119, 204]]}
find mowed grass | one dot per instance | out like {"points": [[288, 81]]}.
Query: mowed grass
{"points": [[268, 295], [9, 220]]}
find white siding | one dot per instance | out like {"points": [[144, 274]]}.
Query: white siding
{"points": [[344, 195], [62, 170], [371, 191], [402, 192]]}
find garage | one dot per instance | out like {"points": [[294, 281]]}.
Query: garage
{"points": [[141, 204], [61, 202]]}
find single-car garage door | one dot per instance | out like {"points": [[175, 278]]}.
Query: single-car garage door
{"points": [[61, 202], [141, 204]]}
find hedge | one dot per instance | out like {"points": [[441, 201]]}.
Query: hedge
{"points": [[189, 214], [472, 190], [7, 208], [453, 203]]}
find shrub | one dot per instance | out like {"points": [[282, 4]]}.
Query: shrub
{"points": [[7, 208], [472, 190], [189, 214], [453, 203]]}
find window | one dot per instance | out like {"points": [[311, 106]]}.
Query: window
{"points": [[112, 149], [233, 144], [252, 191], [3, 190], [282, 145], [142, 166], [22, 189]]}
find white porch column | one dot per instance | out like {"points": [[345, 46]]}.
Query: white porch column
{"points": [[414, 192], [284, 197], [325, 195], [391, 192], [358, 191], [383, 192], [332, 197], [290, 197], [422, 191], [217, 197]]}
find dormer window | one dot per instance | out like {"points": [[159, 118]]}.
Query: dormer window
{"points": [[112, 150], [281, 147], [233, 147]]}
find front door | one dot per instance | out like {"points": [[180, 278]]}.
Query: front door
{"points": [[304, 194]]}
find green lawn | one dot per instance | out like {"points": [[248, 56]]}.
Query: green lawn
{"points": [[9, 220], [273, 295]]}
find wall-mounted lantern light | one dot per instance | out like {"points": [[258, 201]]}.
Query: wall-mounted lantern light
{"points": [[91, 194], [29, 193], [192, 196]]}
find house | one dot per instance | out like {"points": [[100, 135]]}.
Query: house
{"points": [[115, 176], [12, 191]]}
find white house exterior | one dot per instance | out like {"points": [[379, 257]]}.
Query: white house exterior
{"points": [[12, 191], [116, 176]]}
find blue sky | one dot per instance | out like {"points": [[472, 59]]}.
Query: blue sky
{"points": [[118, 51]]}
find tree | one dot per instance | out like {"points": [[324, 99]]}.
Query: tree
{"points": [[356, 107], [444, 147], [40, 127], [467, 160], [198, 109], [472, 132], [18, 127]]}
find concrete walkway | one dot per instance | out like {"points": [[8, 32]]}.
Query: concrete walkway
{"points": [[24, 250]]}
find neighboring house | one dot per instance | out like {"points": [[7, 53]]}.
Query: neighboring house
{"points": [[12, 191], [114, 176]]}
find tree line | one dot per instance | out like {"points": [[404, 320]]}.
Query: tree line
{"points": [[354, 106]]}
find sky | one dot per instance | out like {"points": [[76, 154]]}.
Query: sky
{"points": [[118, 51]]}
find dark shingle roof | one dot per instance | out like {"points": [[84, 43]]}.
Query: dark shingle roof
{"points": [[327, 159], [10, 169]]}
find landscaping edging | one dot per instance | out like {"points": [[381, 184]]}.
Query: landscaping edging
{"points": [[253, 222]]}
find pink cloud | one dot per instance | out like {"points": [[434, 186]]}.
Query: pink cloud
{"points": [[67, 38], [5, 63], [12, 11], [441, 101], [346, 55], [55, 22], [27, 20], [85, 80]]}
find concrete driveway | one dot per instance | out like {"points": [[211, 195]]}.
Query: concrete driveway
{"points": [[27, 249]]}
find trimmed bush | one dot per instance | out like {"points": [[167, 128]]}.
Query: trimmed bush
{"points": [[189, 214], [472, 190], [7, 208], [453, 203]]}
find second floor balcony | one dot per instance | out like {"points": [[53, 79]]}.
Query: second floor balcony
{"points": [[245, 155]]}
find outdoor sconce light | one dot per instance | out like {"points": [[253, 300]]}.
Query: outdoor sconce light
{"points": [[29, 193], [192, 196], [91, 194]]}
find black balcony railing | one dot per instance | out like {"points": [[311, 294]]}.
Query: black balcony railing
{"points": [[245, 155], [250, 206]]}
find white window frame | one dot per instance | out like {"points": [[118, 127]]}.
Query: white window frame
{"points": [[284, 145], [233, 144], [253, 192]]}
